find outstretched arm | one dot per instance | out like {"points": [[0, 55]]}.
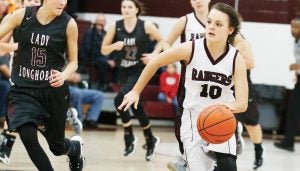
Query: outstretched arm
{"points": [[179, 53]]}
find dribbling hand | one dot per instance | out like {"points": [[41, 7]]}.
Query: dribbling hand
{"points": [[130, 98], [228, 106]]}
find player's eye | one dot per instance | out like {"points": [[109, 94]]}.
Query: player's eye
{"points": [[219, 24]]}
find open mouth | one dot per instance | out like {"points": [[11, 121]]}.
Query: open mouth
{"points": [[211, 34]]}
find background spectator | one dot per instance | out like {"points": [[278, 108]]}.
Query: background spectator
{"points": [[293, 112], [80, 96], [169, 81], [90, 54]]}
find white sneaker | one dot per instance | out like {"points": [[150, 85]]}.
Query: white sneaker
{"points": [[4, 159], [179, 165], [240, 140], [72, 118]]}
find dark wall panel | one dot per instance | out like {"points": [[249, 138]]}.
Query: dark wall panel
{"points": [[273, 11]]}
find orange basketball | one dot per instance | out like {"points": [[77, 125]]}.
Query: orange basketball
{"points": [[216, 124]]}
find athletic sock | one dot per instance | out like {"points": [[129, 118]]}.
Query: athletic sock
{"points": [[148, 133], [128, 130], [258, 146]]}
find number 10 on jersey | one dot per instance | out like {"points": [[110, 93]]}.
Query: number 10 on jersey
{"points": [[212, 91]]}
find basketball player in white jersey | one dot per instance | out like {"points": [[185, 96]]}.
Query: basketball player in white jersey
{"points": [[191, 27], [204, 60]]}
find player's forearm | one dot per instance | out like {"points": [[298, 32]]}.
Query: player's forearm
{"points": [[159, 47], [70, 69], [240, 106], [146, 75], [107, 49]]}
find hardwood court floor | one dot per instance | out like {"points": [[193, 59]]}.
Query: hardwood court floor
{"points": [[103, 151]]}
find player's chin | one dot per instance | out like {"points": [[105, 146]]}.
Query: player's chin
{"points": [[58, 12]]}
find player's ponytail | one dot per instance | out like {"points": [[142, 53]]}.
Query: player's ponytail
{"points": [[233, 16]]}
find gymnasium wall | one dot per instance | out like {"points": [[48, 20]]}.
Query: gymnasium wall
{"points": [[270, 11], [272, 46]]}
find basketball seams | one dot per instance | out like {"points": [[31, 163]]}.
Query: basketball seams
{"points": [[207, 133]]}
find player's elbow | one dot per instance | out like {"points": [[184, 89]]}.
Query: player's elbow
{"points": [[243, 106], [250, 65], [104, 50]]}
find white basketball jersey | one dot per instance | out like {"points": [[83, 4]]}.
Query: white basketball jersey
{"points": [[208, 81], [194, 28]]}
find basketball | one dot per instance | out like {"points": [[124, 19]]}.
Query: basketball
{"points": [[216, 124]]}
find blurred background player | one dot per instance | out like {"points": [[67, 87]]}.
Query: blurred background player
{"points": [[293, 112], [250, 118], [129, 39]]}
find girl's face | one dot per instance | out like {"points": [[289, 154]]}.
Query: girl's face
{"points": [[217, 26], [27, 3], [128, 9], [56, 6], [200, 5]]}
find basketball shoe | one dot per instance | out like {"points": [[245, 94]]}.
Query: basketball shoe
{"points": [[6, 143], [259, 154], [130, 144], [72, 118], [152, 143], [76, 162], [178, 165]]}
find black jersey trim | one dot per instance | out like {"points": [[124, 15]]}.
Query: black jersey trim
{"points": [[138, 22], [182, 37], [180, 99], [214, 62], [234, 61], [198, 20], [192, 54]]}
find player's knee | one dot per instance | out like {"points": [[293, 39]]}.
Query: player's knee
{"points": [[57, 149]]}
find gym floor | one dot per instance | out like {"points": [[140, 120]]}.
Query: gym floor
{"points": [[103, 151]]}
